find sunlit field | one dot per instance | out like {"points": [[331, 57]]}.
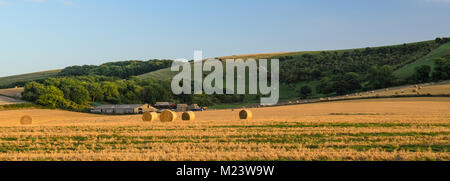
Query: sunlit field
{"points": [[370, 129]]}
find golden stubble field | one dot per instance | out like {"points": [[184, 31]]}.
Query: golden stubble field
{"points": [[372, 129], [13, 92]]}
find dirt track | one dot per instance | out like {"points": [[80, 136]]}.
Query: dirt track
{"points": [[7, 100]]}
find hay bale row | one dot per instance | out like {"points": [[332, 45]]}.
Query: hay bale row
{"points": [[170, 116]]}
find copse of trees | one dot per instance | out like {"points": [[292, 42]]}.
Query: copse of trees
{"points": [[305, 91], [123, 69], [347, 83], [422, 74], [380, 77], [442, 69]]}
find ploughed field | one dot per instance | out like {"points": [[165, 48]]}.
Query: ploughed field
{"points": [[369, 129]]}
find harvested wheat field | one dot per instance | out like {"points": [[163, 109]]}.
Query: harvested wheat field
{"points": [[372, 129], [428, 89], [13, 92]]}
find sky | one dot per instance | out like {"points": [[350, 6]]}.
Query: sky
{"points": [[37, 35]]}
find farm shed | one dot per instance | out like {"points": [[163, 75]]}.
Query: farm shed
{"points": [[163, 105], [123, 109], [182, 107]]}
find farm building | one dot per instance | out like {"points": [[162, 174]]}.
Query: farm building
{"points": [[163, 105], [182, 107], [123, 109]]}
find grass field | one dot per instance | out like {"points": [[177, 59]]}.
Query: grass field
{"points": [[375, 129], [6, 81]]}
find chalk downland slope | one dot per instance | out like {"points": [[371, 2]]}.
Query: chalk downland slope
{"points": [[7, 81]]}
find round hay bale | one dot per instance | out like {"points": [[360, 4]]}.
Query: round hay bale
{"points": [[188, 116], [149, 116], [245, 114], [26, 120], [167, 116], [414, 90]]}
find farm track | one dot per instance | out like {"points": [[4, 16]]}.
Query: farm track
{"points": [[7, 100]]}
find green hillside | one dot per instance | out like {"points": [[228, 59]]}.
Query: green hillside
{"points": [[162, 74], [166, 74], [10, 80], [408, 70], [403, 58]]}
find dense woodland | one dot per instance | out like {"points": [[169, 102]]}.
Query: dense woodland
{"points": [[338, 73], [123, 69], [75, 93], [343, 72]]}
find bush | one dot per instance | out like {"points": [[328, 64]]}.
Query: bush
{"points": [[305, 91], [422, 74]]}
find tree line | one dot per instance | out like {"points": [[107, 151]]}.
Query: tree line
{"points": [[122, 69], [78, 92], [377, 77], [308, 67]]}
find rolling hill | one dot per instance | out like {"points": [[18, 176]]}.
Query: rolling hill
{"points": [[403, 69], [9, 80]]}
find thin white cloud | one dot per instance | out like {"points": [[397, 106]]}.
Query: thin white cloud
{"points": [[67, 2], [4, 3]]}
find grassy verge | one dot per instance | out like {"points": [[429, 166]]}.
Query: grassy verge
{"points": [[20, 106]]}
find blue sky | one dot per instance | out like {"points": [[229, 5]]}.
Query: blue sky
{"points": [[38, 35]]}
